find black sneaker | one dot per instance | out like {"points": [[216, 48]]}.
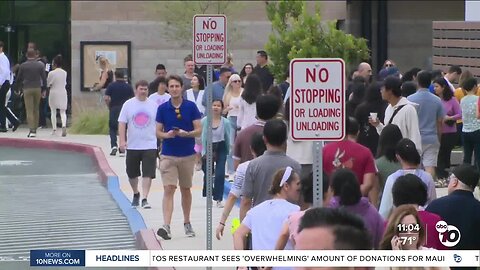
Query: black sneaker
{"points": [[164, 232], [15, 126], [136, 200], [145, 204], [114, 151]]}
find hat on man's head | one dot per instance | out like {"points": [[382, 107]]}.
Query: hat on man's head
{"points": [[467, 174], [385, 72]]}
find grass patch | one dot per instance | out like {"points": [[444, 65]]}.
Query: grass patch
{"points": [[92, 122]]}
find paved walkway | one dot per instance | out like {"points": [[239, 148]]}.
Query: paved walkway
{"points": [[153, 217]]}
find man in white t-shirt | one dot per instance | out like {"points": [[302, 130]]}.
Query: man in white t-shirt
{"points": [[159, 97], [452, 76], [138, 114]]}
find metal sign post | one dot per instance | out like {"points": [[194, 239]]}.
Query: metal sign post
{"points": [[317, 174], [209, 152], [209, 48], [317, 108]]}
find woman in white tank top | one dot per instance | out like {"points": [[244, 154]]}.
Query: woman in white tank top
{"points": [[195, 94], [231, 99]]}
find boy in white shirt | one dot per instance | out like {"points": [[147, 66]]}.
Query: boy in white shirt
{"points": [[138, 114], [159, 97]]}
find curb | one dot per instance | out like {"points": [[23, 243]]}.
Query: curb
{"points": [[145, 239]]}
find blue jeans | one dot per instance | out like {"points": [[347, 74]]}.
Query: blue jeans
{"points": [[219, 158], [233, 135], [471, 145], [113, 125]]}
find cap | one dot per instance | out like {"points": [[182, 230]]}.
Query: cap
{"points": [[393, 71], [467, 174], [382, 74]]}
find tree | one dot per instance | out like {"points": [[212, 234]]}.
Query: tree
{"points": [[298, 34], [178, 16]]}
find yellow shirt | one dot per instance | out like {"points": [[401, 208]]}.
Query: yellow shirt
{"points": [[460, 93]]}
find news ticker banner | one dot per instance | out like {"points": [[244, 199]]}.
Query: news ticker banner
{"points": [[236, 258]]}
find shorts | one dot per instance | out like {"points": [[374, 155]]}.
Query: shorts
{"points": [[177, 170], [159, 147], [430, 154], [145, 158]]}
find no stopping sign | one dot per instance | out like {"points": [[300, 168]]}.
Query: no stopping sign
{"points": [[317, 101]]}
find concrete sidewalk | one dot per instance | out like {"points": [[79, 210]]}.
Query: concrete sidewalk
{"points": [[153, 217]]}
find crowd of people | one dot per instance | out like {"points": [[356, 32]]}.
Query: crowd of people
{"points": [[401, 129], [38, 85], [379, 179]]}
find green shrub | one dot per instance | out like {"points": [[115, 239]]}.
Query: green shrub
{"points": [[300, 32], [91, 123]]}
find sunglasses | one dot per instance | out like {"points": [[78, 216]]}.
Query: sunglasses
{"points": [[177, 111], [237, 81], [389, 65]]}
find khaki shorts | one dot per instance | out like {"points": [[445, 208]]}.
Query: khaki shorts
{"points": [[177, 170], [430, 154]]}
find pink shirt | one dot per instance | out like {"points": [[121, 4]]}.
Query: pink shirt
{"points": [[294, 223], [350, 155], [429, 221], [451, 108]]}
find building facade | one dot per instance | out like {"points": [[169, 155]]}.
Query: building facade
{"points": [[397, 30]]}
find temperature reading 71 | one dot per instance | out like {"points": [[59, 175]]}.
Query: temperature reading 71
{"points": [[409, 239]]}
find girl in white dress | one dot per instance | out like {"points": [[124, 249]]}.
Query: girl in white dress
{"points": [[57, 99]]}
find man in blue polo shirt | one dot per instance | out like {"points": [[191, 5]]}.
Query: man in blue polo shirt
{"points": [[178, 123], [430, 120]]}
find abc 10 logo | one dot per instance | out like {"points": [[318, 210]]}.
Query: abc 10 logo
{"points": [[449, 235]]}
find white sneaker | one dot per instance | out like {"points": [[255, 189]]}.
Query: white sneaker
{"points": [[189, 230], [219, 204]]}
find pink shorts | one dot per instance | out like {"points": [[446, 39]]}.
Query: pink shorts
{"points": [[198, 148]]}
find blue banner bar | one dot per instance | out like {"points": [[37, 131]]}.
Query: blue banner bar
{"points": [[57, 257]]}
